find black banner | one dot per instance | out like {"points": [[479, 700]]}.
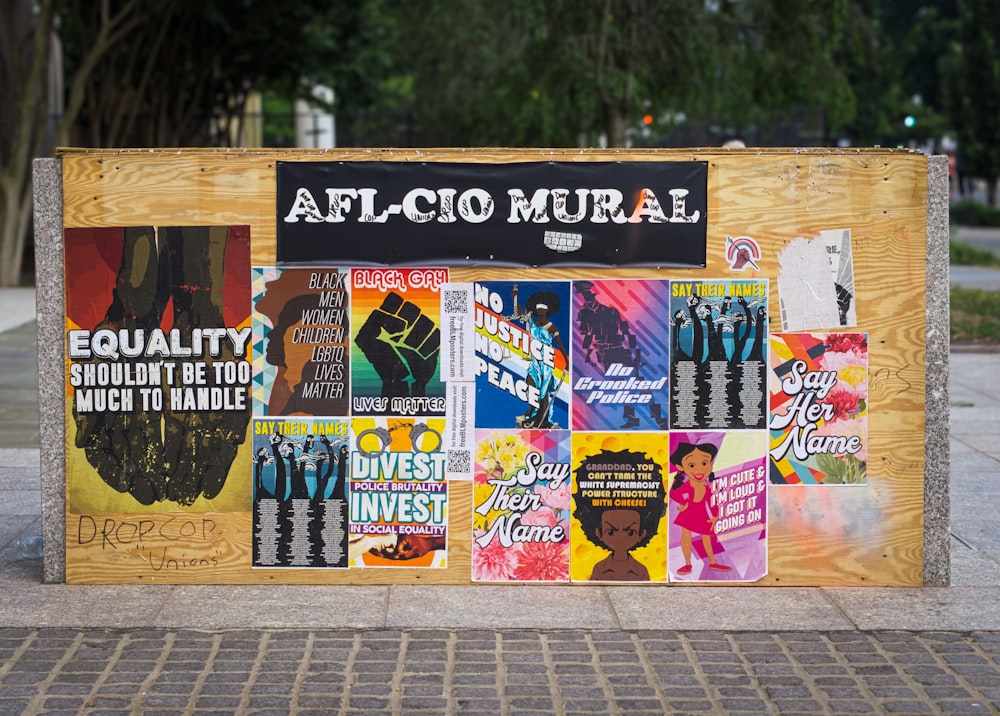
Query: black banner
{"points": [[572, 214]]}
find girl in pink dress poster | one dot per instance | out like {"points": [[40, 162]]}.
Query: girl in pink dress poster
{"points": [[718, 506]]}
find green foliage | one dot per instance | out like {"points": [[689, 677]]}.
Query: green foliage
{"points": [[960, 254], [974, 98], [975, 316], [847, 470], [969, 212]]}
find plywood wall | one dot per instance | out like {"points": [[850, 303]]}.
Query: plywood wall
{"points": [[831, 536]]}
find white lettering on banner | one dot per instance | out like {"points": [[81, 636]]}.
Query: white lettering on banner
{"points": [[476, 205]]}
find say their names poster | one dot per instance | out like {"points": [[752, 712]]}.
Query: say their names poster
{"points": [[299, 492], [718, 333], [520, 512], [819, 408], [621, 356], [522, 359]]}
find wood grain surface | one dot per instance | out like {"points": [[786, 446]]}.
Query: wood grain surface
{"points": [[860, 535]]}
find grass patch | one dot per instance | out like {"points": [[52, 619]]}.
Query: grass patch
{"points": [[975, 316], [961, 254]]}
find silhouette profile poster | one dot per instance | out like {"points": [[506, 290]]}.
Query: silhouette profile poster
{"points": [[618, 525], [819, 408], [396, 347], [398, 495], [158, 371], [718, 506], [300, 470], [520, 511], [521, 354], [718, 364], [621, 356], [301, 334]]}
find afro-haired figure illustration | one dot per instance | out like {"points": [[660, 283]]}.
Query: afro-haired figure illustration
{"points": [[537, 310], [619, 529]]}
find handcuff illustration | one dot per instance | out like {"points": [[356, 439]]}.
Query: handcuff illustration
{"points": [[384, 437]]}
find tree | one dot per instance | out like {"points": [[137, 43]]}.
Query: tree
{"points": [[559, 72], [25, 127], [974, 71]]}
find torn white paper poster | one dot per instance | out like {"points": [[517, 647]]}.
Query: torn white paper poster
{"points": [[838, 249], [806, 288]]}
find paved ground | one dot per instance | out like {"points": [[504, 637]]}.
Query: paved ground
{"points": [[500, 650]]}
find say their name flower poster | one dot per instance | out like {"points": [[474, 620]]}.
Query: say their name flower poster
{"points": [[819, 408], [520, 513]]}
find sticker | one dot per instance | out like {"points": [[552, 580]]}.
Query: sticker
{"points": [[741, 252]]}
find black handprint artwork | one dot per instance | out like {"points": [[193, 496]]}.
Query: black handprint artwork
{"points": [[168, 453]]}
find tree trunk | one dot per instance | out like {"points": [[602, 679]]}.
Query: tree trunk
{"points": [[614, 123]]}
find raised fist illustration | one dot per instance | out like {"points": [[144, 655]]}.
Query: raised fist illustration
{"points": [[401, 343]]}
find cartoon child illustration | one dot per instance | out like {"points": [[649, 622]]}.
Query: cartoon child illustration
{"points": [[616, 529], [537, 310], [692, 491]]}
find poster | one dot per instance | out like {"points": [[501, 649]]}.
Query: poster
{"points": [[301, 331], [819, 408], [299, 492], [398, 498], [718, 506], [520, 511], [522, 360], [621, 355], [511, 214], [718, 335], [395, 356], [619, 507], [158, 370]]}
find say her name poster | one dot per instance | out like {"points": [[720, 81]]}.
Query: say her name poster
{"points": [[819, 408]]}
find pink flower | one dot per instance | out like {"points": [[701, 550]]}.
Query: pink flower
{"points": [[844, 402], [539, 517], [857, 426], [493, 563], [557, 498], [847, 343], [543, 561]]}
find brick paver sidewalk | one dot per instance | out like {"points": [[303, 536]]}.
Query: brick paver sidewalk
{"points": [[50, 671]]}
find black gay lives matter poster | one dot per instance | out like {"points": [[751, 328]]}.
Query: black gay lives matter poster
{"points": [[570, 214]]}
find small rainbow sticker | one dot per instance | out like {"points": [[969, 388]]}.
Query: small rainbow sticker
{"points": [[742, 251]]}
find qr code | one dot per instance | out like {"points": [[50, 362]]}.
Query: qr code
{"points": [[458, 461], [455, 301]]}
